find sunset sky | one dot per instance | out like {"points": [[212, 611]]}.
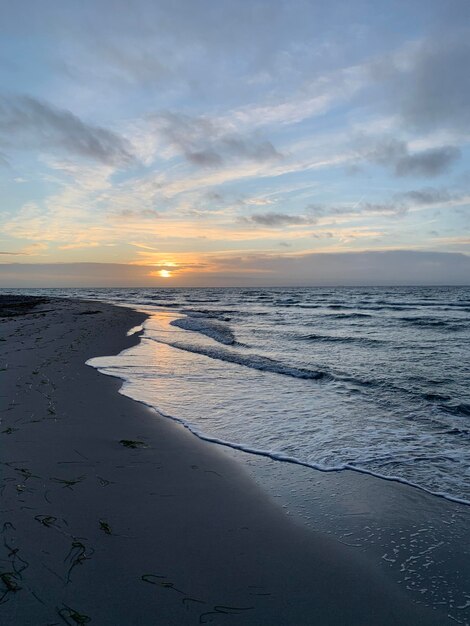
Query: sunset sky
{"points": [[197, 142]]}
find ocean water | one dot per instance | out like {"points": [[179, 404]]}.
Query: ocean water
{"points": [[370, 379]]}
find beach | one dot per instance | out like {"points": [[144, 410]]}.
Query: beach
{"points": [[115, 515]]}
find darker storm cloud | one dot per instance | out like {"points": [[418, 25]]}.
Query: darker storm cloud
{"points": [[395, 154], [26, 122], [206, 143]]}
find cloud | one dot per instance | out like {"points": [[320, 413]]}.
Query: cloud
{"points": [[214, 196], [31, 250], [277, 220], [316, 97], [386, 208], [257, 201], [429, 195], [318, 211], [399, 204], [208, 143], [29, 123], [145, 214], [428, 163], [322, 235], [427, 83], [437, 85]]}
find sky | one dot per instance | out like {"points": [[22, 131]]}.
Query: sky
{"points": [[232, 142]]}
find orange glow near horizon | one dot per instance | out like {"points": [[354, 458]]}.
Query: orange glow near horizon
{"points": [[165, 273]]}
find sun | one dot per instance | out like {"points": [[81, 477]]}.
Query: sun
{"points": [[165, 274]]}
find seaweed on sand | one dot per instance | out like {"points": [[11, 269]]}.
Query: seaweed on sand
{"points": [[67, 614], [105, 527], [131, 443]]}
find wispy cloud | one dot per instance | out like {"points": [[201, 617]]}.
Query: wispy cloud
{"points": [[26, 122], [208, 142], [278, 220]]}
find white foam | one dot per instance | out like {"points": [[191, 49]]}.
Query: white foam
{"points": [[209, 327], [260, 398], [276, 456], [134, 330], [254, 361]]}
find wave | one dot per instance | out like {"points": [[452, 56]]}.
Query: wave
{"points": [[219, 314], [286, 302], [278, 456], [266, 364], [254, 361], [258, 295], [169, 305], [461, 409], [458, 432], [202, 300], [435, 397], [209, 327], [433, 322], [383, 307], [364, 307], [343, 316], [273, 454], [336, 339], [420, 303]]}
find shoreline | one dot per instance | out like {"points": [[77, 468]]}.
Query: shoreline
{"points": [[281, 458], [121, 516], [442, 522], [451, 494]]}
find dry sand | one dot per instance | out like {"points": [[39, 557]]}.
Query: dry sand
{"points": [[170, 532]]}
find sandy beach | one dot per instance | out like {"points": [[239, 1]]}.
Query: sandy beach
{"points": [[112, 515]]}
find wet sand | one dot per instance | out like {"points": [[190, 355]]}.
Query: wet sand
{"points": [[114, 515]]}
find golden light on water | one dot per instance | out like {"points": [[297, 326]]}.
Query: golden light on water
{"points": [[165, 274]]}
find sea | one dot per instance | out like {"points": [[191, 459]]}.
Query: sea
{"points": [[369, 379]]}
